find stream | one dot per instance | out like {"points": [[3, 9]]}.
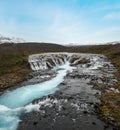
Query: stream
{"points": [[16, 102]]}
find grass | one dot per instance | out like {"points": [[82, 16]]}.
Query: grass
{"points": [[8, 62], [14, 67]]}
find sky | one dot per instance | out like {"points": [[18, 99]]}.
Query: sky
{"points": [[61, 21]]}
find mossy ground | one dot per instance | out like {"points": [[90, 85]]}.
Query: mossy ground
{"points": [[111, 100], [14, 67], [110, 107]]}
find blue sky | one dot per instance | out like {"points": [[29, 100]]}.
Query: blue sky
{"points": [[61, 21]]}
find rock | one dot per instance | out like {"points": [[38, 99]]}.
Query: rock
{"points": [[35, 123], [93, 123], [85, 112]]}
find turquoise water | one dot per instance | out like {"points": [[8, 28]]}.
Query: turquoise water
{"points": [[17, 102]]}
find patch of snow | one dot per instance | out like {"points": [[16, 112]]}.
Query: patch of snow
{"points": [[4, 39]]}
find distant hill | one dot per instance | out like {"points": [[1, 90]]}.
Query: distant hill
{"points": [[32, 47], [41, 47]]}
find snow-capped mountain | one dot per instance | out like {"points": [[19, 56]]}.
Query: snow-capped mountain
{"points": [[105, 43], [114, 42], [4, 39]]}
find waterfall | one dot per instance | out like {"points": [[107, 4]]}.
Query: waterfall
{"points": [[50, 60], [40, 62]]}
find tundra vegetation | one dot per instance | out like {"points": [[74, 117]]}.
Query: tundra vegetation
{"points": [[14, 68]]}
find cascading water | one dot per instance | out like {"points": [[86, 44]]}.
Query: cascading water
{"points": [[16, 102], [46, 61]]}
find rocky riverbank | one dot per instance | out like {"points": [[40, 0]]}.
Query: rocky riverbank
{"points": [[73, 106]]}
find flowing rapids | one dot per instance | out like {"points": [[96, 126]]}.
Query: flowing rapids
{"points": [[14, 103]]}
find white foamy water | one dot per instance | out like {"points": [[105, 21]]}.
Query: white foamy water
{"points": [[14, 103]]}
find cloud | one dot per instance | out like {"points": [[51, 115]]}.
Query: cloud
{"points": [[112, 16], [104, 35], [53, 25], [53, 22]]}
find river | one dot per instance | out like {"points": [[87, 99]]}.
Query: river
{"points": [[16, 102]]}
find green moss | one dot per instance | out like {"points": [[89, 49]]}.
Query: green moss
{"points": [[9, 62]]}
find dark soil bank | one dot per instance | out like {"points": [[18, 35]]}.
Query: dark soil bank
{"points": [[73, 106]]}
